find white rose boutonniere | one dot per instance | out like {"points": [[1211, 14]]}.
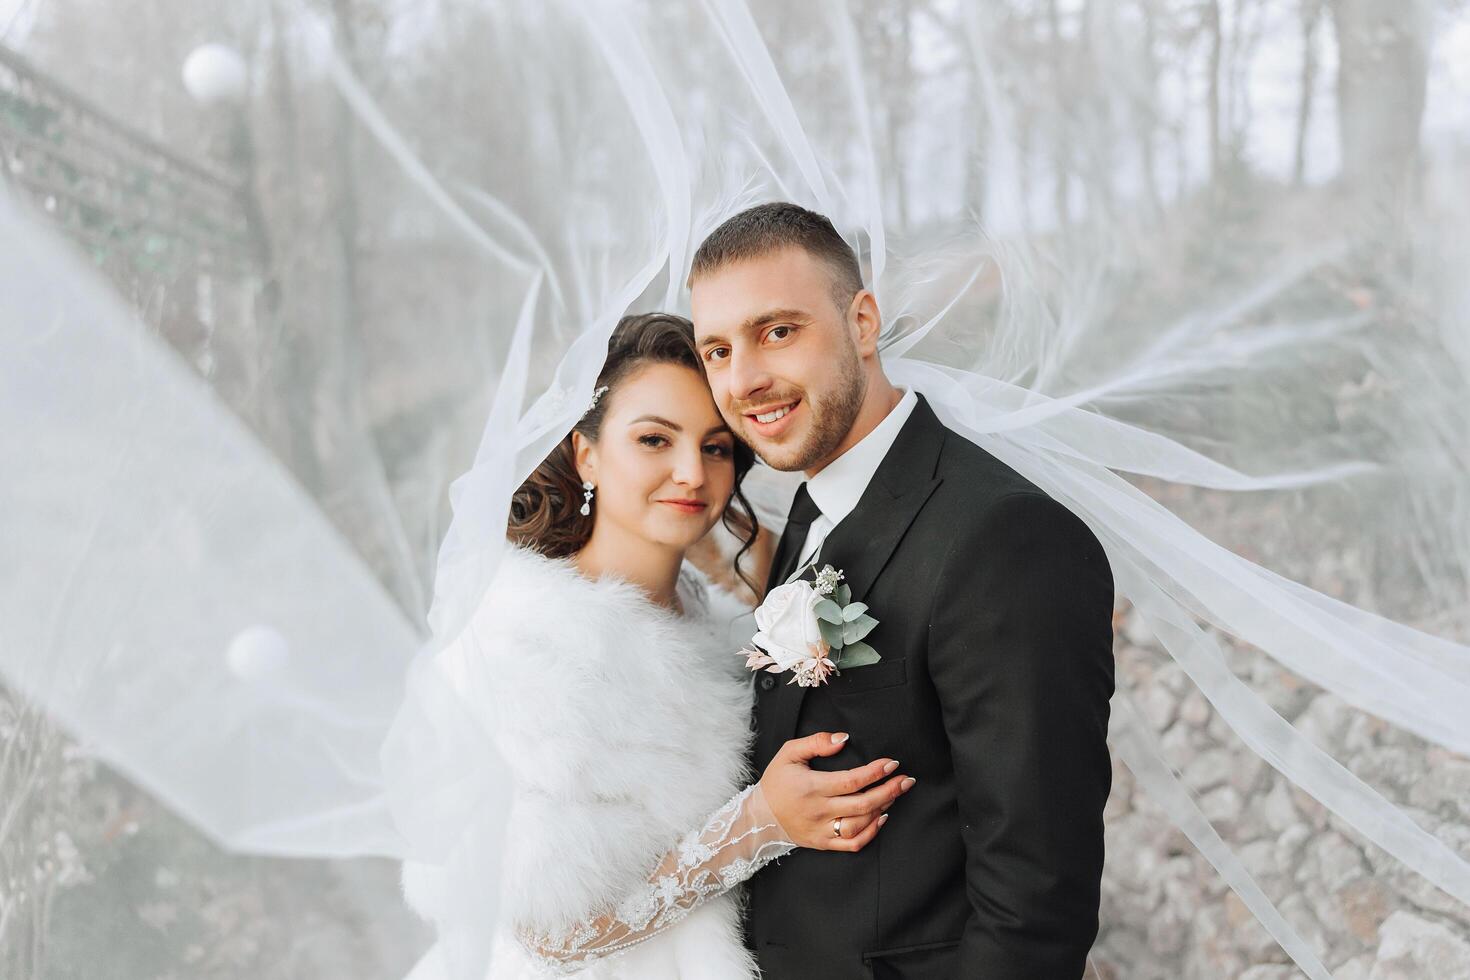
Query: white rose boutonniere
{"points": [[811, 629]]}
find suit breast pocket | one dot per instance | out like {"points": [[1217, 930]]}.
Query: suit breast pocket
{"points": [[873, 677]]}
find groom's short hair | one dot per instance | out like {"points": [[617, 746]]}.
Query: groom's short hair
{"points": [[776, 225]]}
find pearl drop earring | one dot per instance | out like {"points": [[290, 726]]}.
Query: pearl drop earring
{"points": [[587, 497]]}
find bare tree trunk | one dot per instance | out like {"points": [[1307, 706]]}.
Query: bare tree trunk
{"points": [[1146, 112], [1247, 29], [1383, 69], [976, 150], [282, 358], [1061, 146], [1216, 40], [1311, 16], [1101, 150], [345, 217], [283, 87], [1024, 125], [903, 79], [344, 372]]}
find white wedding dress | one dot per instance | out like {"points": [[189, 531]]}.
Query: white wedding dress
{"points": [[625, 728]]}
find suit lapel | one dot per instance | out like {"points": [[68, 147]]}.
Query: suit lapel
{"points": [[864, 541]]}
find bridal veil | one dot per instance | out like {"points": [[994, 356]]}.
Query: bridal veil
{"points": [[1213, 304]]}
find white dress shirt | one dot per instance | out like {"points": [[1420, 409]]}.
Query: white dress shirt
{"points": [[837, 489]]}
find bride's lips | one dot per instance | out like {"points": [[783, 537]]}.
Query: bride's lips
{"points": [[773, 430], [687, 506]]}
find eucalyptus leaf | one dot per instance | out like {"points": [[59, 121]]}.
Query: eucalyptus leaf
{"points": [[844, 594], [832, 633], [829, 611], [859, 654], [858, 628], [849, 613]]}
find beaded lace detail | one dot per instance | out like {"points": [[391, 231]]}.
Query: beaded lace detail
{"points": [[737, 841]]}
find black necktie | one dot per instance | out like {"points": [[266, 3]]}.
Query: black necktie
{"points": [[803, 511]]}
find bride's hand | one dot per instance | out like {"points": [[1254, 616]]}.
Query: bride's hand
{"points": [[811, 806]]}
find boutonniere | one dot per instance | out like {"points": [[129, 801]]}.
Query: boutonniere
{"points": [[811, 629]]}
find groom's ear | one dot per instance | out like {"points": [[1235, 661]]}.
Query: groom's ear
{"points": [[864, 318]]}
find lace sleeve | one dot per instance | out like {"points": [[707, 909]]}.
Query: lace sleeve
{"points": [[737, 841]]}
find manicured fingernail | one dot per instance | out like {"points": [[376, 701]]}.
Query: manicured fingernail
{"points": [[839, 738], [908, 783], [890, 766], [882, 820]]}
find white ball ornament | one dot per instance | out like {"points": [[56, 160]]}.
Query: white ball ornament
{"points": [[257, 653], [215, 74]]}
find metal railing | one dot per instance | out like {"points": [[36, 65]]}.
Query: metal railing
{"points": [[131, 202]]}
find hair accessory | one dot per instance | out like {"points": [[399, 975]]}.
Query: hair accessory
{"points": [[595, 396]]}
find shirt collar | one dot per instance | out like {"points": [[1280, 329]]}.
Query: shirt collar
{"points": [[837, 489]]}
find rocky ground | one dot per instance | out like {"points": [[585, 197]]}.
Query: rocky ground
{"points": [[100, 882], [1166, 913]]}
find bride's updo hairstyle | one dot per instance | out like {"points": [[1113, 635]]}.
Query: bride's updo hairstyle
{"points": [[545, 513]]}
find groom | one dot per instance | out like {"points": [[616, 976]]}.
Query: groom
{"points": [[995, 632]]}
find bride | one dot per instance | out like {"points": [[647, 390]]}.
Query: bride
{"points": [[620, 705]]}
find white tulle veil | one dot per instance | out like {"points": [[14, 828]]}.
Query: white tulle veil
{"points": [[174, 595]]}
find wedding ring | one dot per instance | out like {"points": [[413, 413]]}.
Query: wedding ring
{"points": [[837, 827]]}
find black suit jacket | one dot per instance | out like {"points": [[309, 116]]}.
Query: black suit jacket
{"points": [[995, 631]]}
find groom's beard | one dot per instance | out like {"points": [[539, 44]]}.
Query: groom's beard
{"points": [[832, 415]]}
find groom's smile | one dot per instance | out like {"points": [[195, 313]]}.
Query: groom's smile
{"points": [[772, 422]]}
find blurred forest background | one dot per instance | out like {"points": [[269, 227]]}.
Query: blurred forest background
{"points": [[282, 255]]}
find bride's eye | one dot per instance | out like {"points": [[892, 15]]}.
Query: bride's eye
{"points": [[653, 441], [719, 450]]}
